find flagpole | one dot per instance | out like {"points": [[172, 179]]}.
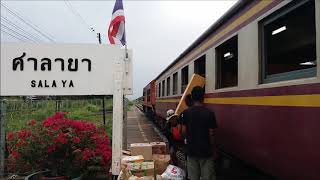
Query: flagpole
{"points": [[119, 128]]}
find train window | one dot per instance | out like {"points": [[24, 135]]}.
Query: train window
{"points": [[175, 83], [288, 42], [159, 90], [200, 66], [184, 78], [168, 86], [148, 95], [163, 87], [227, 63]]}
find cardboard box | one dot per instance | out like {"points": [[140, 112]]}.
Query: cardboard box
{"points": [[144, 149], [126, 153], [196, 80], [161, 162], [141, 169], [159, 148], [131, 159]]}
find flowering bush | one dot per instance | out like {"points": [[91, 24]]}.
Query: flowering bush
{"points": [[65, 146]]}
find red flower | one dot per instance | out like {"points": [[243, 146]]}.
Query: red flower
{"points": [[23, 134], [57, 142], [15, 154], [86, 154], [94, 136], [52, 148], [75, 140], [61, 138], [42, 142], [10, 136], [32, 122]]}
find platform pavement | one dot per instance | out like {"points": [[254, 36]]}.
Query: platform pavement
{"points": [[140, 129]]}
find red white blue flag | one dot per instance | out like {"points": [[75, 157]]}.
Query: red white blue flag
{"points": [[116, 31]]}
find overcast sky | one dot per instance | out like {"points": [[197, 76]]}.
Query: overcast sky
{"points": [[157, 31]]}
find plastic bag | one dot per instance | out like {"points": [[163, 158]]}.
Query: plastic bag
{"points": [[145, 178], [161, 162], [173, 173], [124, 174]]}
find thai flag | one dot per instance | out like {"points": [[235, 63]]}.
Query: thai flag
{"points": [[116, 31]]}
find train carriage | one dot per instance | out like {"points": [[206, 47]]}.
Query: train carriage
{"points": [[261, 64], [149, 98]]}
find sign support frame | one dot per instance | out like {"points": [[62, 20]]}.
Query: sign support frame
{"points": [[117, 119], [103, 61]]}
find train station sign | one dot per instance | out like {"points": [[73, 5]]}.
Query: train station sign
{"points": [[62, 69]]}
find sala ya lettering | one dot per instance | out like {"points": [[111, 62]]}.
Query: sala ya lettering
{"points": [[54, 83]]}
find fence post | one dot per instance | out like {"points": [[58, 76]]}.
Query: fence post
{"points": [[3, 136], [56, 105], [104, 111]]}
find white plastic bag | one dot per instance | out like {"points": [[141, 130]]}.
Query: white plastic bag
{"points": [[145, 178], [173, 173], [124, 174]]}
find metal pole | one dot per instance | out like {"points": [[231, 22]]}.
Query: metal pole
{"points": [[99, 37], [3, 136], [104, 111], [56, 105]]}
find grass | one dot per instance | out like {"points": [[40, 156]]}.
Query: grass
{"points": [[19, 112]]}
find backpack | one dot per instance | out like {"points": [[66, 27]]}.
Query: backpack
{"points": [[176, 134]]}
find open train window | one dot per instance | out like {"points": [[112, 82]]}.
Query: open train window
{"points": [[159, 90], [200, 66], [288, 42], [175, 83], [227, 63], [168, 86], [184, 78], [163, 87]]}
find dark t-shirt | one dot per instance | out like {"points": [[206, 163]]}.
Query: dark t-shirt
{"points": [[198, 120]]}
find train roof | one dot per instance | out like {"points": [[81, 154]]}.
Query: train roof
{"points": [[230, 13], [148, 85]]}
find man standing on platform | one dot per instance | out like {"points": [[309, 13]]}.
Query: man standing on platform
{"points": [[198, 127]]}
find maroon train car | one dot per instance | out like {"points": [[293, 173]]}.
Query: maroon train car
{"points": [[261, 61], [149, 98]]}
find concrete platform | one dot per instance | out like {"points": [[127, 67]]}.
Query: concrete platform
{"points": [[140, 129]]}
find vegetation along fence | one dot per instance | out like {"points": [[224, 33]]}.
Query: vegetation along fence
{"points": [[15, 112]]}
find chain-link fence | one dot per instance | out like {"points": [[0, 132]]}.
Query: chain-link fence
{"points": [[16, 112]]}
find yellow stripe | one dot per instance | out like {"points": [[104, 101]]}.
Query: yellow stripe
{"points": [[254, 10], [292, 100], [168, 100], [312, 100]]}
